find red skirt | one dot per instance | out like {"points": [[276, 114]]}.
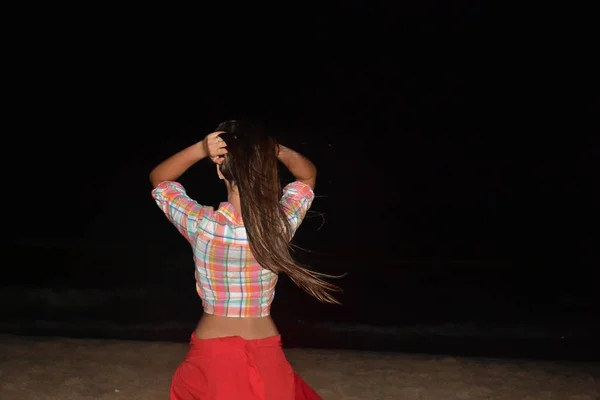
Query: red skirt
{"points": [[233, 368]]}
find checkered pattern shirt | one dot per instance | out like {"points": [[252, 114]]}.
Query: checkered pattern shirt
{"points": [[228, 279]]}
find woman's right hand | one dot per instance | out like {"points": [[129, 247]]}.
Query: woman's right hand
{"points": [[215, 147]]}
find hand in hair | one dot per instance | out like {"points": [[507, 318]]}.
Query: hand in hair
{"points": [[215, 147]]}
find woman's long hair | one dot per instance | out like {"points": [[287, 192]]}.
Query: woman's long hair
{"points": [[251, 166]]}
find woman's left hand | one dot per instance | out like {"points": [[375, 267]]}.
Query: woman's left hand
{"points": [[215, 147]]}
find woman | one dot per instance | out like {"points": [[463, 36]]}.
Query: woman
{"points": [[239, 250]]}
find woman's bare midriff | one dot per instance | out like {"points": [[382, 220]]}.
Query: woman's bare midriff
{"points": [[213, 326]]}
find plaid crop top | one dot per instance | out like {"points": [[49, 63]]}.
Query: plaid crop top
{"points": [[228, 279]]}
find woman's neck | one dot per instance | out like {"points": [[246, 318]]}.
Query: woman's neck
{"points": [[233, 198]]}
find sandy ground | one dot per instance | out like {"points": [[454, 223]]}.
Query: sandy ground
{"points": [[69, 369]]}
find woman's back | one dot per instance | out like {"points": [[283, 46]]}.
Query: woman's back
{"points": [[236, 291]]}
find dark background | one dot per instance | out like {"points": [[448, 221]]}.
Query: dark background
{"points": [[457, 148]]}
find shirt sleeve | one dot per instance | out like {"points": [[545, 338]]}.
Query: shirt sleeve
{"points": [[179, 208], [296, 200]]}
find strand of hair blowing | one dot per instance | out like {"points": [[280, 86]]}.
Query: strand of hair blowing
{"points": [[252, 168]]}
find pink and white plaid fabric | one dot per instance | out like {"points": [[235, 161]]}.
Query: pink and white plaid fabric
{"points": [[228, 279]]}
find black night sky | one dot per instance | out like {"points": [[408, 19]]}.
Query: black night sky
{"points": [[457, 168]]}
